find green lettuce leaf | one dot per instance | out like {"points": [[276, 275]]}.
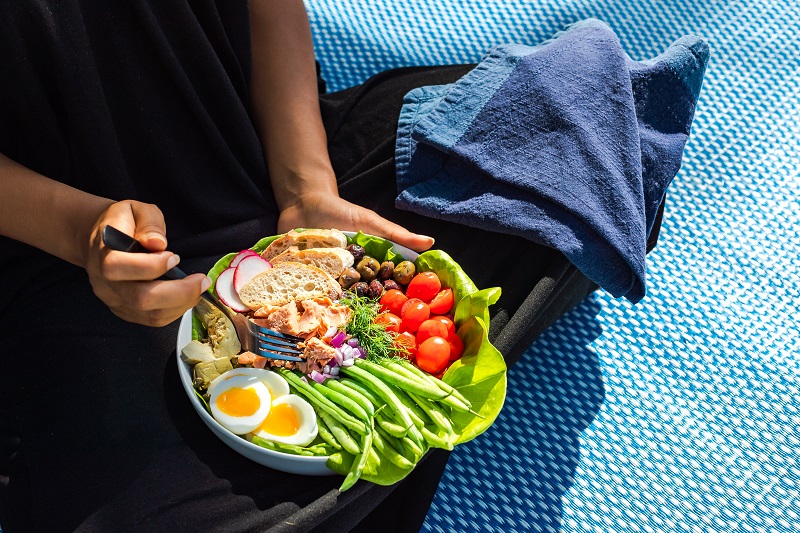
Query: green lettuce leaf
{"points": [[480, 375], [380, 249]]}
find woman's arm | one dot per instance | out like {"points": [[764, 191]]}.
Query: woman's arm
{"points": [[66, 222], [286, 103]]}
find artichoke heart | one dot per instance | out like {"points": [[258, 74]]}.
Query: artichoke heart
{"points": [[221, 333]]}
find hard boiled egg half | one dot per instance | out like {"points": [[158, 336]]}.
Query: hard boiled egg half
{"points": [[256, 400]]}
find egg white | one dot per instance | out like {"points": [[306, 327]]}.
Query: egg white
{"points": [[240, 425], [276, 384], [307, 431]]}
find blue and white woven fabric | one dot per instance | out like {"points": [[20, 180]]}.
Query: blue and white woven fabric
{"points": [[681, 413]]}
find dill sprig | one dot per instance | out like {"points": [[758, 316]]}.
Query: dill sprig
{"points": [[378, 343]]}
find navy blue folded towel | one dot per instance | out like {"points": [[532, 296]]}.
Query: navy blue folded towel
{"points": [[570, 144]]}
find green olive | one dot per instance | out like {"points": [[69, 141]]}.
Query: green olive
{"points": [[404, 272], [368, 268], [348, 277]]}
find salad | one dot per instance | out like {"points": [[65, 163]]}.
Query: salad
{"points": [[397, 358]]}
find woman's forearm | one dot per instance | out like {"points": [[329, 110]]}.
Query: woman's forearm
{"points": [[44, 213], [286, 101]]}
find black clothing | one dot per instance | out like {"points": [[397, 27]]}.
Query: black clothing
{"points": [[96, 433]]}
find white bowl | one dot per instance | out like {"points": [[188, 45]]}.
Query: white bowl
{"points": [[293, 464]]}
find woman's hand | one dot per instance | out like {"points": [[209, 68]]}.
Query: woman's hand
{"points": [[326, 210], [124, 281]]}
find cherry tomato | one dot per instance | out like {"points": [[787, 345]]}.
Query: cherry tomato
{"points": [[443, 302], [424, 286], [448, 323], [414, 313], [456, 346], [407, 344], [392, 301], [390, 321], [433, 355], [431, 328]]}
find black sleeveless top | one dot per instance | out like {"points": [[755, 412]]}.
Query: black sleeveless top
{"points": [[138, 99]]}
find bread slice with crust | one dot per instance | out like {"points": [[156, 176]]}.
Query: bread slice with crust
{"points": [[331, 260], [286, 282], [307, 238]]}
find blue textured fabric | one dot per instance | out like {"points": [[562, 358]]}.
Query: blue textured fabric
{"points": [[568, 144], [680, 413]]}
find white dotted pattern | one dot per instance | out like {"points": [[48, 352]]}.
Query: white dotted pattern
{"points": [[680, 413]]}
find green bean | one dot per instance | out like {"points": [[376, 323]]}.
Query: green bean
{"points": [[341, 400], [389, 452], [416, 437], [426, 389], [323, 403], [449, 389], [390, 427], [340, 433], [417, 415], [354, 395], [359, 462], [378, 402], [381, 389], [434, 413], [326, 434], [435, 440]]}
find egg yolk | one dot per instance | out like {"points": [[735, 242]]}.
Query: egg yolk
{"points": [[282, 420], [239, 402]]}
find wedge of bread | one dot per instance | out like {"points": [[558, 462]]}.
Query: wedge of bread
{"points": [[302, 240], [286, 282], [331, 260]]}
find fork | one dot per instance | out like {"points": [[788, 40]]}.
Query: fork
{"points": [[253, 338]]}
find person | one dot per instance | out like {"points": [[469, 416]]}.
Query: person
{"points": [[197, 127]]}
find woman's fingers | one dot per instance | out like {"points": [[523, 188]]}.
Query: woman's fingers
{"points": [[155, 303], [124, 266], [371, 222], [327, 211]]}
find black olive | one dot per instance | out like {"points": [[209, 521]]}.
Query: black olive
{"points": [[375, 289], [390, 284], [361, 288], [386, 271], [357, 251]]}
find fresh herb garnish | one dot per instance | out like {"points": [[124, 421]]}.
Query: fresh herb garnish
{"points": [[378, 343]]}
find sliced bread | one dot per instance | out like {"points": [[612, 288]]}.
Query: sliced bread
{"points": [[331, 260], [286, 282], [307, 238]]}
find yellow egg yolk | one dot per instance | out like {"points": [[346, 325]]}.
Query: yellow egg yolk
{"points": [[239, 402], [282, 421]]}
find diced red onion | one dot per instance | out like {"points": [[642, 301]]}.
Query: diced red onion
{"points": [[334, 371], [316, 376], [338, 357], [348, 362], [338, 339], [352, 341], [304, 379], [333, 363], [326, 369], [330, 333], [362, 353]]}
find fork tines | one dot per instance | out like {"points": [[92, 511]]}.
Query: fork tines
{"points": [[277, 345]]}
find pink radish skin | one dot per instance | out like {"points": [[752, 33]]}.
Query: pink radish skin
{"points": [[227, 294], [241, 255], [247, 269]]}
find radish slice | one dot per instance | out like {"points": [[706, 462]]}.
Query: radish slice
{"points": [[247, 269], [241, 255], [225, 291]]}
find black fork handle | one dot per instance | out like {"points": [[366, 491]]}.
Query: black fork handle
{"points": [[116, 240]]}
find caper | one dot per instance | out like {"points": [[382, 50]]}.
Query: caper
{"points": [[375, 289], [404, 272], [368, 268], [390, 284], [386, 271], [357, 251], [348, 277], [361, 288]]}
